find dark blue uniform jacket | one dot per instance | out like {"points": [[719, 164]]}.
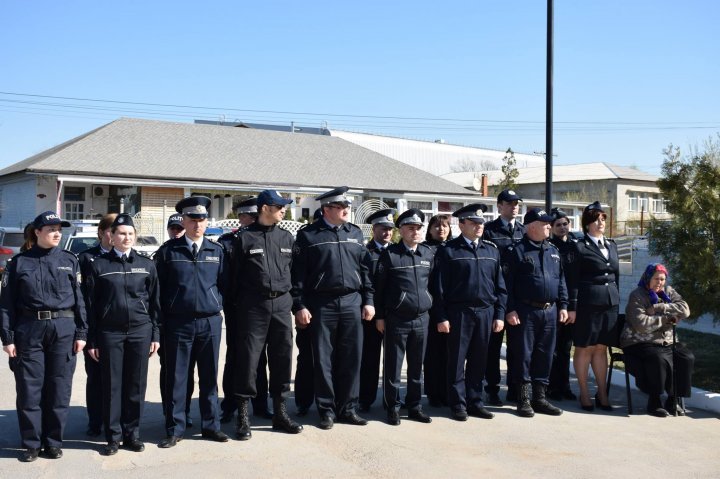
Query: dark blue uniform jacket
{"points": [[401, 281], [593, 279], [262, 259]]}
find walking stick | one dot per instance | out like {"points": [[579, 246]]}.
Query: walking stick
{"points": [[674, 379]]}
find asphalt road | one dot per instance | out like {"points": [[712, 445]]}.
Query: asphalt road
{"points": [[576, 444]]}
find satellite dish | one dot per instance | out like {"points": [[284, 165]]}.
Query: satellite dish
{"points": [[477, 184]]}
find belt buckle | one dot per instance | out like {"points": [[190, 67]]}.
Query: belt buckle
{"points": [[547, 306], [273, 294], [44, 315]]}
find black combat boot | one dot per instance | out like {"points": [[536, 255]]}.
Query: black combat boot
{"points": [[523, 405], [243, 431], [539, 403], [281, 420]]}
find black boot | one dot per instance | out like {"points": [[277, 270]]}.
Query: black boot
{"points": [[654, 406], [243, 431], [281, 420], [539, 403], [523, 405]]}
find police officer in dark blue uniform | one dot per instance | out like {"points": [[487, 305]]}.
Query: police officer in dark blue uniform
{"points": [[469, 301], [93, 385], [563, 239], [123, 305], [247, 213], [382, 227], [403, 301], [305, 365], [537, 299], [503, 231], [262, 257], [43, 327], [192, 271], [332, 288]]}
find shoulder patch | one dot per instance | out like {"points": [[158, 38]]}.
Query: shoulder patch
{"points": [[490, 243]]}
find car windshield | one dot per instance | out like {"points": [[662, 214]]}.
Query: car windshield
{"points": [[146, 241], [78, 245]]}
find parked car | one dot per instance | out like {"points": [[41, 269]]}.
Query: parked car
{"points": [[146, 245], [214, 232], [80, 241], [11, 239]]}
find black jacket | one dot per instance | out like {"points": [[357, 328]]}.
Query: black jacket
{"points": [[122, 295], [262, 260], [593, 279], [401, 282]]}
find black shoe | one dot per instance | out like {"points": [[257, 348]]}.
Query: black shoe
{"points": [[493, 399], [393, 417], [480, 411], [419, 416], [30, 454], [52, 452], [362, 407], [281, 419], [670, 405], [227, 417], [351, 417], [111, 448], [302, 411], [217, 436], [587, 407], [459, 414], [242, 428], [604, 407], [92, 432], [134, 445], [658, 412], [188, 421], [170, 441], [327, 422]]}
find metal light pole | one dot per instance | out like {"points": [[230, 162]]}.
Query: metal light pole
{"points": [[549, 109]]}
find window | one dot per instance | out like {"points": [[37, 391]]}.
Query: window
{"points": [[638, 201], [74, 193], [420, 205], [74, 211], [643, 202], [659, 205], [632, 201], [448, 206]]}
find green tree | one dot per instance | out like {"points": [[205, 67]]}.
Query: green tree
{"points": [[509, 171], [689, 243]]}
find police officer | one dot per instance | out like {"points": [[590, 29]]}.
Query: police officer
{"points": [[247, 213], [382, 228], [262, 257], [93, 385], [563, 239], [537, 298], [175, 229], [470, 301], [123, 305], [403, 301], [503, 231], [192, 272], [304, 368], [332, 288], [43, 327]]}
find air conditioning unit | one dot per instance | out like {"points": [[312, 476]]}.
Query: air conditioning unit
{"points": [[100, 191]]}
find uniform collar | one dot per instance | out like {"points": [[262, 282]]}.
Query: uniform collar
{"points": [[190, 242]]}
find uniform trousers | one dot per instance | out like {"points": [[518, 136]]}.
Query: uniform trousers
{"points": [[435, 365], [124, 363], [264, 321], [370, 363], [185, 338], [560, 372], [470, 329], [93, 392], [44, 368], [163, 377], [337, 348], [532, 343], [305, 368], [404, 337]]}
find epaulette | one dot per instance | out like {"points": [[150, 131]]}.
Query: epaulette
{"points": [[424, 246], [609, 239], [70, 253], [552, 245], [490, 243], [574, 240], [353, 225], [213, 242]]}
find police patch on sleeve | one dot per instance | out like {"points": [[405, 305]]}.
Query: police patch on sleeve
{"points": [[5, 278], [78, 276]]}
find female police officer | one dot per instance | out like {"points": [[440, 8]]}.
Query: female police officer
{"points": [[43, 328], [123, 308]]}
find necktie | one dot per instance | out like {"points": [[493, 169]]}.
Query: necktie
{"points": [[473, 246], [511, 230], [603, 249], [194, 250], [124, 258]]}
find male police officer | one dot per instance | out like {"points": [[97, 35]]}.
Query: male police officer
{"points": [[537, 298], [332, 288], [403, 302], [382, 228], [564, 240], [262, 257], [93, 386], [470, 301], [192, 272], [503, 231], [247, 213]]}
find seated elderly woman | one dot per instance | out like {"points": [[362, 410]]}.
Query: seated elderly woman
{"points": [[647, 338]]}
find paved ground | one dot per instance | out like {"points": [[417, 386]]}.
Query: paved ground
{"points": [[576, 444]]}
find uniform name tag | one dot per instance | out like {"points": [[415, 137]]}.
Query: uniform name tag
{"points": [[256, 251], [65, 268], [212, 258], [285, 250], [425, 263], [138, 270], [555, 256], [352, 240]]}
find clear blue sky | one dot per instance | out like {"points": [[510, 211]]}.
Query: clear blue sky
{"points": [[630, 76]]}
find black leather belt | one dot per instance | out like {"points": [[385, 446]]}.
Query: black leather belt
{"points": [[535, 304], [47, 315], [273, 294]]}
